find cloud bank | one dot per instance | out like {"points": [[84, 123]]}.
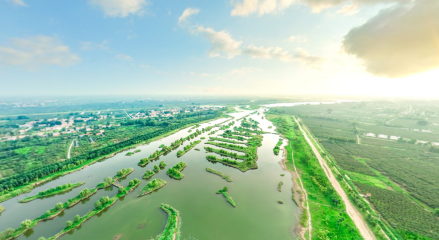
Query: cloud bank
{"points": [[223, 45], [37, 51], [399, 41], [120, 8]]}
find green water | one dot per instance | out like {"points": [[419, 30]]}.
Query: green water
{"points": [[205, 215]]}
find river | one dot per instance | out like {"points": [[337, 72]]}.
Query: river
{"points": [[205, 215]]}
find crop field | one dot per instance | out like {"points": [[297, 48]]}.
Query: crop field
{"points": [[401, 175]]}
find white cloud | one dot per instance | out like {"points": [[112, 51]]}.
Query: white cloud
{"points": [[222, 43], [307, 59], [399, 41], [348, 9], [18, 2], [247, 7], [123, 57], [268, 52], [89, 46], [37, 51], [298, 39], [143, 66], [244, 70], [187, 13], [120, 8]]}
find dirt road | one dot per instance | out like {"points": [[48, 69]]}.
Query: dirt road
{"points": [[356, 217]]}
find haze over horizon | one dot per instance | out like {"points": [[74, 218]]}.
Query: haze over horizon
{"points": [[244, 47]]}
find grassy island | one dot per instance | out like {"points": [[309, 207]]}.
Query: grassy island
{"points": [[156, 168], [227, 196], [123, 173], [2, 209], [249, 159], [52, 191], [99, 206], [162, 164], [132, 153], [279, 186], [277, 147], [172, 227], [152, 186], [148, 174], [187, 148], [144, 161], [280, 201], [224, 176], [175, 171]]}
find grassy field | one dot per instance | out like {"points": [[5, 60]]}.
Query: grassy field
{"points": [[329, 220], [400, 176]]}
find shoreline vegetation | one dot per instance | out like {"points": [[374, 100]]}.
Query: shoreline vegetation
{"points": [[52, 191], [2, 209], [132, 153], [277, 147], [327, 220], [148, 174], [165, 150], [175, 171], [14, 186], [253, 141], [279, 186], [227, 196], [224, 176], [187, 148], [152, 186], [173, 224]]}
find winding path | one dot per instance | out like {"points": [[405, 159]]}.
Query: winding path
{"points": [[356, 217], [70, 149]]}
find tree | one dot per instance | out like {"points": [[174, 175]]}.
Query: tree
{"points": [[98, 204], [42, 238], [59, 206], [108, 181], [77, 218], [69, 224], [6, 233], [26, 223]]}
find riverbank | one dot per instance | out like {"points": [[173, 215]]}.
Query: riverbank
{"points": [[326, 207]]}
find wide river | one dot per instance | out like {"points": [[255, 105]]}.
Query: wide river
{"points": [[205, 215]]}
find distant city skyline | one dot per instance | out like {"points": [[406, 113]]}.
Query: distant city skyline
{"points": [[243, 47]]}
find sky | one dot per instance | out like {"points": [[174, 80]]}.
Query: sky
{"points": [[240, 47]]}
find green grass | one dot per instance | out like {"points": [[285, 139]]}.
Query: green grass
{"points": [[52, 191], [279, 186], [175, 171], [224, 176], [172, 227], [152, 186], [227, 196], [328, 221]]}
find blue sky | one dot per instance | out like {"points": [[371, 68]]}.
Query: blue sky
{"points": [[254, 47]]}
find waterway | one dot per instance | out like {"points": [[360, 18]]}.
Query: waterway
{"points": [[205, 215]]}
